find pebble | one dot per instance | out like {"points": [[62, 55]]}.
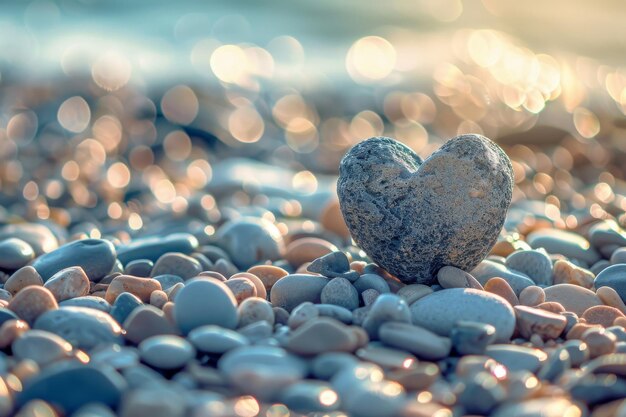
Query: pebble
{"points": [[262, 371], [88, 301], [302, 314], [167, 281], [68, 283], [336, 312], [241, 288], [472, 338], [566, 272], [140, 287], [618, 256], [451, 277], [332, 219], [383, 186], [6, 314], [42, 347], [334, 264], [158, 298], [307, 249], [250, 240], [293, 290], [419, 341], [534, 263], [568, 244], [258, 332], [152, 402], [339, 291], [268, 274], [153, 247], [373, 281], [22, 278], [95, 256], [139, 268], [321, 335], [599, 266], [440, 311], [536, 321], [602, 315], [578, 352], [31, 302], [552, 306], [310, 396], [607, 232], [532, 296], [386, 308], [255, 309], [572, 297], [517, 358], [15, 253], [216, 340], [386, 357], [369, 296], [413, 292], [85, 328], [325, 365], [39, 237], [166, 351], [611, 298], [88, 385], [124, 304], [146, 321], [489, 269], [599, 342], [176, 263], [258, 284], [613, 277], [377, 399], [502, 288], [481, 394], [205, 301]]}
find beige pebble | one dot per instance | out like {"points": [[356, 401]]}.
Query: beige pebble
{"points": [[22, 278], [602, 315], [25, 369], [146, 321], [168, 310], [537, 321], [332, 219], [141, 287], [620, 321], [307, 250], [101, 294], [268, 274], [611, 298], [68, 283], [599, 342], [565, 272], [551, 306], [532, 296], [577, 331], [451, 277], [499, 286], [241, 288], [413, 292], [260, 287], [572, 297], [4, 303], [158, 298], [32, 302], [11, 330], [358, 266]]}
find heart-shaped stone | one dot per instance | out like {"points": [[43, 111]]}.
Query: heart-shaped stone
{"points": [[413, 217]]}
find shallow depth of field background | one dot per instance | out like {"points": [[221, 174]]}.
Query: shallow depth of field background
{"points": [[128, 108]]}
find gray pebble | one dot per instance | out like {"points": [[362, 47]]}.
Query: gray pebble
{"points": [[15, 253], [386, 308], [534, 263], [89, 301], [336, 312], [472, 338], [41, 346], [281, 316], [607, 232], [619, 256], [489, 269], [255, 309], [301, 314], [517, 358], [216, 340], [39, 237], [569, 244], [558, 362], [310, 396], [398, 207], [600, 266], [139, 268], [369, 296], [85, 328], [417, 340], [339, 291], [613, 277], [326, 365], [153, 247], [367, 281], [251, 240], [205, 301], [166, 352], [334, 264], [293, 290], [441, 310], [124, 304], [257, 331], [167, 281], [178, 264]]}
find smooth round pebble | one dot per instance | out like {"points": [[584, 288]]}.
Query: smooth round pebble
{"points": [[140, 287], [41, 346], [572, 297], [310, 396], [241, 288], [536, 321], [303, 313], [451, 277], [146, 321], [124, 304], [517, 358], [88, 301], [307, 249], [166, 352], [216, 340], [268, 274], [413, 292], [502, 288], [336, 312], [205, 301], [440, 311], [167, 281], [22, 278], [489, 269], [251, 240], [534, 263], [176, 264], [139, 268], [38, 236], [153, 247], [611, 298], [258, 284], [15, 253], [293, 290], [321, 335], [602, 315], [386, 308], [615, 277], [566, 272], [373, 281], [417, 340], [31, 302], [532, 296], [565, 243], [472, 338], [255, 309]]}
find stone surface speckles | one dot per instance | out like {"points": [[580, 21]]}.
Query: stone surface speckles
{"points": [[414, 217]]}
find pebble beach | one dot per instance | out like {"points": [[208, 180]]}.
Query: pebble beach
{"points": [[259, 240]]}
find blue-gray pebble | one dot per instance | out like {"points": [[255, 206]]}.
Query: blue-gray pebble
{"points": [[15, 253], [153, 247], [413, 217], [205, 301], [124, 304], [95, 256], [615, 277], [534, 263]]}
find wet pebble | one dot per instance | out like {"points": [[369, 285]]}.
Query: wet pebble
{"points": [[205, 301], [15, 253], [95, 256]]}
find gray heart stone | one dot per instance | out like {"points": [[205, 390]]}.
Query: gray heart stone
{"points": [[413, 217]]}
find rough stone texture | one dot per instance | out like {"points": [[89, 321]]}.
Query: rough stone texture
{"points": [[413, 217]]}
